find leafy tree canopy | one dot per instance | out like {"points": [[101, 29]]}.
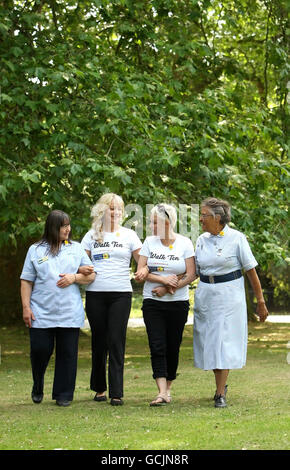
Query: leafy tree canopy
{"points": [[171, 100]]}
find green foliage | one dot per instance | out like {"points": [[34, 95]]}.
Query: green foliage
{"points": [[156, 100]]}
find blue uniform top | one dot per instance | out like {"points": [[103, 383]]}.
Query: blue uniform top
{"points": [[223, 253], [51, 305]]}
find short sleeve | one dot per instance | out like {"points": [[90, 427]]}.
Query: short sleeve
{"points": [[84, 258], [197, 267], [189, 250], [135, 242], [86, 241], [29, 272], [245, 254], [145, 251]]}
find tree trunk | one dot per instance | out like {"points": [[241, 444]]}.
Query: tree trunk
{"points": [[11, 267]]}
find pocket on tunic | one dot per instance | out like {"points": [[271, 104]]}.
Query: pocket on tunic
{"points": [[41, 267]]}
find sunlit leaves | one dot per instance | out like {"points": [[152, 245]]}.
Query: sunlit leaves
{"points": [[157, 100]]}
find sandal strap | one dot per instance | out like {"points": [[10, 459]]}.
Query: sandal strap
{"points": [[160, 397]]}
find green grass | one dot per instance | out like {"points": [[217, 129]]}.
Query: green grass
{"points": [[136, 311], [257, 417]]}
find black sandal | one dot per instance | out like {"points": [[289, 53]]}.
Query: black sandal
{"points": [[100, 397], [117, 402]]}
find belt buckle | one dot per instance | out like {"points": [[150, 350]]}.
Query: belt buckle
{"points": [[211, 279]]}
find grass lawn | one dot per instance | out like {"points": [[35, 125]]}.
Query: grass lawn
{"points": [[257, 417]]}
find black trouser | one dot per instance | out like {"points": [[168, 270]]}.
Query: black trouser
{"points": [[108, 315], [165, 324], [66, 354]]}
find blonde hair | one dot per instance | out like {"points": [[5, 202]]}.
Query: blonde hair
{"points": [[98, 212], [165, 212]]}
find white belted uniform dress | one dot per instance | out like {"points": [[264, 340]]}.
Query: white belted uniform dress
{"points": [[220, 310]]}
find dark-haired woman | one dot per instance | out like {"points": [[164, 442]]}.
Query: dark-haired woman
{"points": [[52, 305], [220, 310]]}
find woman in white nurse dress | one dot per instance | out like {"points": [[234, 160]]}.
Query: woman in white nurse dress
{"points": [[220, 310]]}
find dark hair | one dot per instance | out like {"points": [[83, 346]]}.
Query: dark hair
{"points": [[54, 221], [218, 207]]}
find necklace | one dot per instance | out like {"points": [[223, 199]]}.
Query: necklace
{"points": [[168, 243]]}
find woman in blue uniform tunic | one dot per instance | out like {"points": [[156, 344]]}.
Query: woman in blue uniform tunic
{"points": [[220, 310], [52, 305]]}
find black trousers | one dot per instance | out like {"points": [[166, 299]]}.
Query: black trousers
{"points": [[42, 342], [108, 315], [165, 324]]}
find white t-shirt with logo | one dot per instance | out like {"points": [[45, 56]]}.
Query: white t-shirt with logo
{"points": [[165, 260], [111, 259]]}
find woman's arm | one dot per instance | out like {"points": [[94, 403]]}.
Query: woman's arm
{"points": [[84, 279], [78, 278], [86, 270], [190, 273], [183, 279], [176, 282], [135, 253], [143, 274], [170, 281], [256, 286], [142, 269], [25, 291]]}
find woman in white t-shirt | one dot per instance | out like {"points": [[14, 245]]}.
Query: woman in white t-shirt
{"points": [[169, 258], [108, 298]]}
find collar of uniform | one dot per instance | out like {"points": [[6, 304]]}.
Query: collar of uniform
{"points": [[222, 233], [65, 245]]}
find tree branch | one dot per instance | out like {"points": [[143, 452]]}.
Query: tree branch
{"points": [[267, 56]]}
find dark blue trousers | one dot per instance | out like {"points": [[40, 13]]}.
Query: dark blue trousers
{"points": [[42, 344]]}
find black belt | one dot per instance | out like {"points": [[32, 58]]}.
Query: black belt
{"points": [[223, 278]]}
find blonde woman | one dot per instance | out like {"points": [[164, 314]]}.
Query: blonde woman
{"points": [[108, 299], [169, 258]]}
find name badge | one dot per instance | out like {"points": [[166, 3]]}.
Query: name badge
{"points": [[42, 260], [155, 268], [101, 256]]}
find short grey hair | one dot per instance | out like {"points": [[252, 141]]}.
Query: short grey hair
{"points": [[165, 212], [218, 207]]}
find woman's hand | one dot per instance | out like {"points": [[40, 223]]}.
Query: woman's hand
{"points": [[171, 290], [66, 280], [141, 274], [159, 291], [26, 289], [28, 316], [256, 285], [262, 311], [86, 270], [170, 281]]}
